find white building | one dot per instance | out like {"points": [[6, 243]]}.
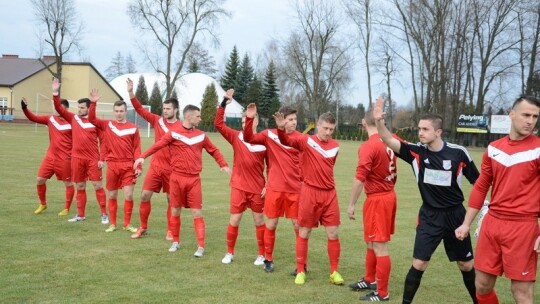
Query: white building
{"points": [[189, 89]]}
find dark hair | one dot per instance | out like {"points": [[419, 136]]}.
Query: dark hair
{"points": [[368, 117], [120, 103], [190, 108], [435, 119], [286, 111], [172, 101], [84, 100], [530, 99], [65, 103], [327, 117]]}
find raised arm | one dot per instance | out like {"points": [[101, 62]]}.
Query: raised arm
{"points": [[40, 119], [219, 120], [249, 136], [68, 116], [147, 115], [92, 118], [284, 138], [384, 133]]}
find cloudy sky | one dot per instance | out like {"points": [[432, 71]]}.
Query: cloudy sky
{"points": [[109, 30]]}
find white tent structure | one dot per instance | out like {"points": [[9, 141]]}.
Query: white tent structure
{"points": [[189, 89]]}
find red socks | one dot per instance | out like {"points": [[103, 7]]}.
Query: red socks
{"points": [[101, 198], [175, 227], [301, 253], [169, 215], [371, 266], [269, 240], [259, 232], [144, 213], [384, 266], [198, 223], [81, 202], [128, 210], [113, 207], [232, 235], [70, 192], [489, 298], [334, 250], [42, 193]]}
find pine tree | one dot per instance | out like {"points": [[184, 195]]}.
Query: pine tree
{"points": [[231, 71], [141, 92], [116, 68], [208, 105], [155, 100], [193, 66], [129, 65], [270, 97], [174, 95], [254, 92], [244, 79]]}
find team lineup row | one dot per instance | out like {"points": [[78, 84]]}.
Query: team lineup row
{"points": [[300, 186]]}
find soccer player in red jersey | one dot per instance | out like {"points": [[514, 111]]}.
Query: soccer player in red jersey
{"points": [[186, 146], [376, 175], [283, 184], [57, 160], [247, 181], [509, 236], [124, 143], [439, 167], [318, 198], [86, 160], [159, 171]]}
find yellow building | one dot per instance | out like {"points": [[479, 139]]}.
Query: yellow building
{"points": [[30, 78]]}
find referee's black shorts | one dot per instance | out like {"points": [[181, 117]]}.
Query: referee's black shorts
{"points": [[435, 225]]}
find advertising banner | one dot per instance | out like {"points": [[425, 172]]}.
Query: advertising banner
{"points": [[472, 123], [500, 124]]}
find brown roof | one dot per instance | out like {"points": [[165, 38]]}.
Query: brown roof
{"points": [[15, 69]]}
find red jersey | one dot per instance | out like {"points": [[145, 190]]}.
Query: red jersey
{"points": [[84, 134], [248, 165], [161, 158], [186, 150], [318, 158], [123, 139], [283, 161], [512, 168], [376, 166], [59, 134]]}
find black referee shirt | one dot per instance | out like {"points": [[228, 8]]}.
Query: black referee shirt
{"points": [[439, 174]]}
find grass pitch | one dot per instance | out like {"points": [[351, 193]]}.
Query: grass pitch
{"points": [[45, 259]]}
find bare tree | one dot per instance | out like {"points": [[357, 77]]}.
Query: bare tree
{"points": [[361, 12], [62, 30], [528, 44], [317, 62], [176, 26], [493, 28]]}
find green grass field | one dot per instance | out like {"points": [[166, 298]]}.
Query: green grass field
{"points": [[45, 259]]}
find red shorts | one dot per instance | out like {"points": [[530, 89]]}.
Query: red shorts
{"points": [[507, 247], [120, 174], [241, 200], [318, 206], [51, 166], [277, 204], [379, 216], [84, 169], [185, 191], [157, 178]]}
